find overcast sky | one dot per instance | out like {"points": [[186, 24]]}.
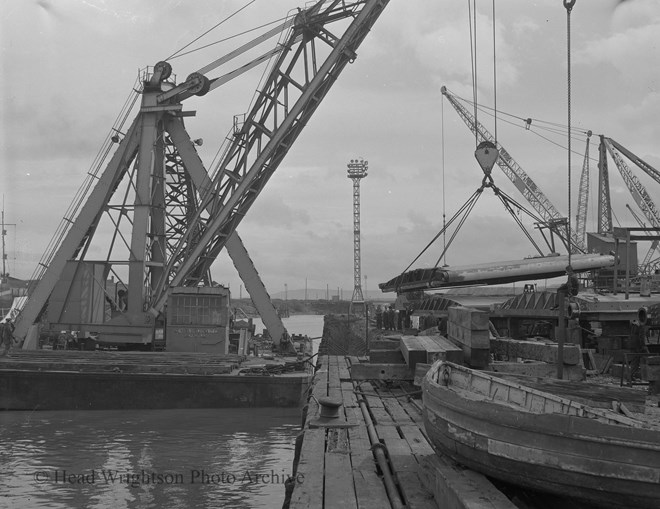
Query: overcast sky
{"points": [[68, 65]]}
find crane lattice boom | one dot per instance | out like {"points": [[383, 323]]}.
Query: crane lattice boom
{"points": [[583, 196], [293, 90]]}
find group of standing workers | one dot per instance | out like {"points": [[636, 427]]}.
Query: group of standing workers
{"points": [[389, 318]]}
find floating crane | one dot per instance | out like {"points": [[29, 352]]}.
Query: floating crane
{"points": [[637, 190], [523, 182], [646, 264], [182, 215]]}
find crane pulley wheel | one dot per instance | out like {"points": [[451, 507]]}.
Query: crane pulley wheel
{"points": [[165, 69], [200, 84]]}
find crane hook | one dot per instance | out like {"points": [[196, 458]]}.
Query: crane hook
{"points": [[569, 4]]}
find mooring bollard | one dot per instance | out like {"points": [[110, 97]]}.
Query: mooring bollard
{"points": [[329, 416]]}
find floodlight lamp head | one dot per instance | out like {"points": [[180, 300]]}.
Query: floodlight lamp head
{"points": [[357, 168]]}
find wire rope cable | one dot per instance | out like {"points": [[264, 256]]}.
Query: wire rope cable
{"points": [[173, 55], [568, 4]]}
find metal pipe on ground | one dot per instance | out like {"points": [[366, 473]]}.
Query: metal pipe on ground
{"points": [[378, 451]]}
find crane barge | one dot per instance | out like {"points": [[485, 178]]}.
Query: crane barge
{"points": [[162, 217]]}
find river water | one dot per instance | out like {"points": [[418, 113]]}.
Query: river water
{"points": [[233, 458]]}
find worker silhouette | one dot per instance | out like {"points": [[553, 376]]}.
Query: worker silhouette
{"points": [[572, 285], [123, 300], [6, 335]]}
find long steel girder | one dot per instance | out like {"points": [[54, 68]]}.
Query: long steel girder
{"points": [[280, 112], [514, 172]]}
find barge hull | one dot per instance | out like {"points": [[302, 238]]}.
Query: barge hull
{"points": [[66, 390]]}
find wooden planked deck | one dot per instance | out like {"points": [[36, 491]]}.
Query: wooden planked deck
{"points": [[336, 466]]}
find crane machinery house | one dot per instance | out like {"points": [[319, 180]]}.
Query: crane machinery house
{"points": [[198, 320]]}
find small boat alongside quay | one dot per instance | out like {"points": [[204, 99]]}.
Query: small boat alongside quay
{"points": [[542, 441]]}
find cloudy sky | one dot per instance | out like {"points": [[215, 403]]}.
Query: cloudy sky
{"points": [[68, 65]]}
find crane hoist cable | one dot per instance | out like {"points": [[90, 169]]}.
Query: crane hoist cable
{"points": [[173, 55], [473, 57], [494, 74], [568, 4], [229, 38]]}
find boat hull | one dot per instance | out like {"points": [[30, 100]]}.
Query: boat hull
{"points": [[610, 465]]}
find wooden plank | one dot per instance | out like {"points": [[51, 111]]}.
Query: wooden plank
{"points": [[366, 390], [387, 430], [406, 468], [320, 383], [381, 417], [413, 350], [339, 492], [311, 471], [535, 350], [414, 410], [381, 372], [333, 373], [344, 373], [334, 383], [348, 394], [400, 455], [418, 443], [369, 490], [399, 415], [457, 488], [352, 359], [538, 369], [415, 494], [360, 447]]}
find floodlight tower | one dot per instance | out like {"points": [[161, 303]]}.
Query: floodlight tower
{"points": [[357, 170]]}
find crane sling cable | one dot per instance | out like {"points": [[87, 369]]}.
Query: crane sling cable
{"points": [[465, 210], [528, 127], [523, 182]]}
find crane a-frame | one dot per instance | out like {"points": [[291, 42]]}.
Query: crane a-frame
{"points": [[181, 215]]}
